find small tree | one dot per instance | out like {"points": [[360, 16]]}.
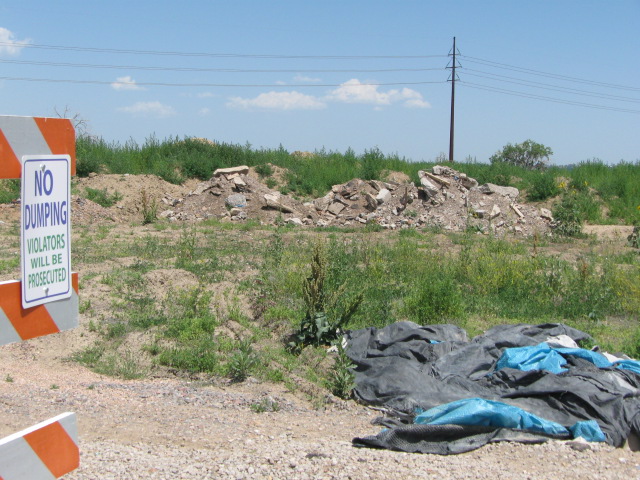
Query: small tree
{"points": [[527, 154]]}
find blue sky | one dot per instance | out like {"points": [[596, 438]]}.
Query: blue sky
{"points": [[334, 74]]}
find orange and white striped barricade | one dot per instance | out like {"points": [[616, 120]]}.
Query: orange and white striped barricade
{"points": [[45, 451], [18, 323], [21, 136], [50, 449]]}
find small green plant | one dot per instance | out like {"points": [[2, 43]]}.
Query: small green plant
{"points": [[341, 380], [8, 378], [266, 404], [149, 208], [567, 216], [264, 170], [103, 197], [323, 320], [54, 386], [9, 190], [271, 183], [242, 362]]}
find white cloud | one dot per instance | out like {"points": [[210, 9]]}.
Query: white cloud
{"points": [[9, 44], [154, 109], [302, 78], [278, 101], [205, 95], [353, 91], [203, 112], [125, 83]]}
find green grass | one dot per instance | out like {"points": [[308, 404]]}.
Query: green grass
{"points": [[616, 187]]}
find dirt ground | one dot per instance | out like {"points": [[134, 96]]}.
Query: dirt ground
{"points": [[170, 427]]}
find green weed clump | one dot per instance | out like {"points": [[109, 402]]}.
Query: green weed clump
{"points": [[103, 197]]}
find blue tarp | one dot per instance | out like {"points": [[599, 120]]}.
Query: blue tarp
{"points": [[490, 413], [543, 357]]}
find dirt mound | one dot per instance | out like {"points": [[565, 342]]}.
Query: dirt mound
{"points": [[445, 198]]}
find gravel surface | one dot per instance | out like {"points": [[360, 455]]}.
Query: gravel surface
{"points": [[179, 429]]}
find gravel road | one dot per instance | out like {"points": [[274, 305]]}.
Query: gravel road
{"points": [[179, 429]]}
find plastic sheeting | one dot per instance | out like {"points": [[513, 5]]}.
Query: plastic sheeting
{"points": [[399, 367]]}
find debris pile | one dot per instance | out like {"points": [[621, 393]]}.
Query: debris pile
{"points": [[445, 199]]}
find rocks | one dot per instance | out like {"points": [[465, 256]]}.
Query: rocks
{"points": [[335, 208], [241, 170], [236, 200], [546, 214], [430, 189], [274, 200], [384, 196], [490, 189]]}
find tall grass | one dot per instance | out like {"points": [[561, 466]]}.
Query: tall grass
{"points": [[610, 194], [409, 279]]}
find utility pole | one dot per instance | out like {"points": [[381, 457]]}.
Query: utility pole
{"points": [[453, 98]]}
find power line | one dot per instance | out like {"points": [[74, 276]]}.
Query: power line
{"points": [[162, 84], [219, 55], [547, 99], [217, 70], [547, 86], [547, 74]]}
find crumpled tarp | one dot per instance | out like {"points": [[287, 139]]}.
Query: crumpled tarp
{"points": [[409, 368]]}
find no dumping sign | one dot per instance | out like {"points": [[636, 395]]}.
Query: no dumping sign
{"points": [[45, 229]]}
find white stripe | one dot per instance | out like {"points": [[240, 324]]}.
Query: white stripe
{"points": [[24, 136], [70, 425], [18, 461], [8, 333], [64, 312]]}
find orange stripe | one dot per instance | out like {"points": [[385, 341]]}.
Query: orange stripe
{"points": [[55, 447], [30, 322], [10, 166], [74, 284], [60, 136]]}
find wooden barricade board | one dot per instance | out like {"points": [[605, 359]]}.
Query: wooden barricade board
{"points": [[49, 449], [34, 136]]}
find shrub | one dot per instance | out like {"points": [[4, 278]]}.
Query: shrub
{"points": [[543, 186], [567, 216], [528, 154]]}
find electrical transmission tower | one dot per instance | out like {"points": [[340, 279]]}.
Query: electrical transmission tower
{"points": [[452, 78]]}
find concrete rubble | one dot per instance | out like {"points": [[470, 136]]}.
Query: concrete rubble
{"points": [[445, 199]]}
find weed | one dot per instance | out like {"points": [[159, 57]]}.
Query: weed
{"points": [[242, 362], [264, 170], [8, 378], [54, 386], [323, 321], [148, 208], [341, 380], [102, 197], [266, 404], [567, 216]]}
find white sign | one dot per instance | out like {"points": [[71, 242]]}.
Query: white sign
{"points": [[46, 229]]}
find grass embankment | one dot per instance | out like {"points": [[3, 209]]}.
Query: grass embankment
{"points": [[601, 193], [469, 280], [604, 194]]}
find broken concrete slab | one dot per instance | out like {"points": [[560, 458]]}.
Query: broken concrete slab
{"points": [[384, 196], [490, 189], [273, 200], [241, 170]]}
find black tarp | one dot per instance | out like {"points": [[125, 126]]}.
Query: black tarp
{"points": [[404, 367]]}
